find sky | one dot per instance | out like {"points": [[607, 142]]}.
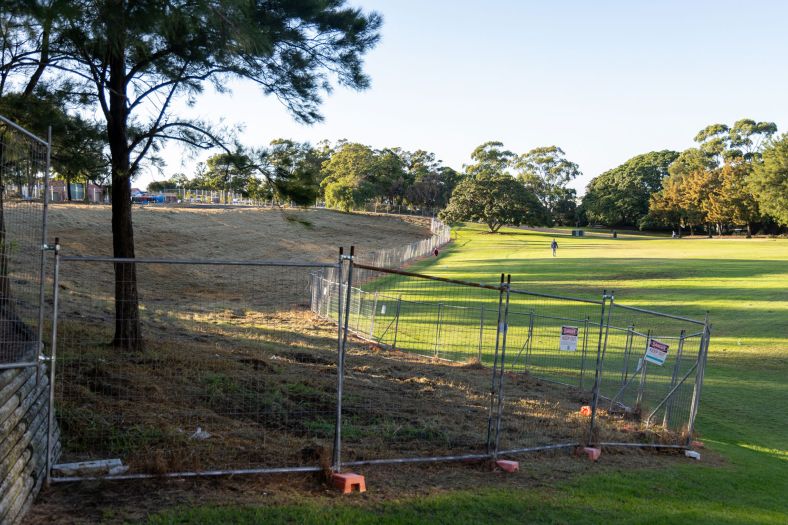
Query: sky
{"points": [[603, 80]]}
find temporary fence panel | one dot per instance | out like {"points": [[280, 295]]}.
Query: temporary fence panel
{"points": [[547, 370], [423, 394], [238, 371], [24, 172], [540, 353], [235, 373], [651, 370]]}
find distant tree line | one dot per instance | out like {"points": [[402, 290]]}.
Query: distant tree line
{"points": [[499, 187], [736, 177], [345, 176]]}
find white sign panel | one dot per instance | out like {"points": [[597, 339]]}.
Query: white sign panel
{"points": [[569, 338], [656, 352]]}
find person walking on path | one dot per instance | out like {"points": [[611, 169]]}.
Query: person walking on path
{"points": [[554, 246]]}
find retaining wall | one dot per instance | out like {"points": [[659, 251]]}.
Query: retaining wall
{"points": [[24, 415]]}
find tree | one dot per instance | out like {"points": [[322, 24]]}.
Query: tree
{"points": [[496, 200], [546, 172], [350, 176], [769, 180], [391, 178], [294, 170], [134, 59], [229, 172], [489, 160], [744, 140], [621, 196], [433, 184], [709, 183], [675, 206], [734, 197]]}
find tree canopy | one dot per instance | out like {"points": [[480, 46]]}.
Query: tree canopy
{"points": [[132, 60], [769, 180], [620, 197], [713, 183], [546, 172], [496, 200]]}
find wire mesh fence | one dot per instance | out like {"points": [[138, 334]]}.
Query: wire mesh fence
{"points": [[24, 168], [539, 363], [547, 370], [234, 372], [651, 370], [266, 366], [433, 398]]}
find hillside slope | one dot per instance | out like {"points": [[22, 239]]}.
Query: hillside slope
{"points": [[231, 233]]}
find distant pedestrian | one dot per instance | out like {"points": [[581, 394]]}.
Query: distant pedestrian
{"points": [[554, 246], [435, 252], [673, 234]]}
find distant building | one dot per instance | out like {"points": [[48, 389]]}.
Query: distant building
{"points": [[79, 193]]}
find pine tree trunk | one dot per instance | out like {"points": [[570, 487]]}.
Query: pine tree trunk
{"points": [[127, 321], [127, 318]]}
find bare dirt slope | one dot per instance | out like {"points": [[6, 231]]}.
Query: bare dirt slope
{"points": [[230, 233]]}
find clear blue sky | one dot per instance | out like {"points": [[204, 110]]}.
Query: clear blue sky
{"points": [[604, 80]]}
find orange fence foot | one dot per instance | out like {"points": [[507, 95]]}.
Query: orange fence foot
{"points": [[592, 453], [585, 410], [697, 444], [347, 481], [508, 466]]}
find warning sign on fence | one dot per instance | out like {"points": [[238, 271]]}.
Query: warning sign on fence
{"points": [[656, 352], [569, 338]]}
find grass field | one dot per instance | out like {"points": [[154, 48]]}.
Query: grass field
{"points": [[744, 286]]}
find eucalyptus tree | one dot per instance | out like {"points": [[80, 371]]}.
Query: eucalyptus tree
{"points": [[546, 172]]}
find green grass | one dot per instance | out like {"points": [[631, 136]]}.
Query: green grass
{"points": [[743, 283]]}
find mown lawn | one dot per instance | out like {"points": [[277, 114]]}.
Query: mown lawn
{"points": [[744, 286]]}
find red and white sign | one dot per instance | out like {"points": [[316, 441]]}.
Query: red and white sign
{"points": [[656, 352], [569, 338]]}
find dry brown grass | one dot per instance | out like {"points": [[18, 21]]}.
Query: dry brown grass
{"points": [[231, 233]]}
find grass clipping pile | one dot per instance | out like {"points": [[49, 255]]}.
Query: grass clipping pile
{"points": [[256, 390]]}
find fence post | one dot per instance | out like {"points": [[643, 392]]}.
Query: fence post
{"points": [[601, 345], [438, 329], [702, 355], [643, 370], [372, 319], [495, 366], [52, 361], [358, 311], [481, 332], [674, 377], [627, 353], [583, 353], [338, 417], [396, 323], [44, 248], [503, 367], [337, 463], [530, 339]]}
